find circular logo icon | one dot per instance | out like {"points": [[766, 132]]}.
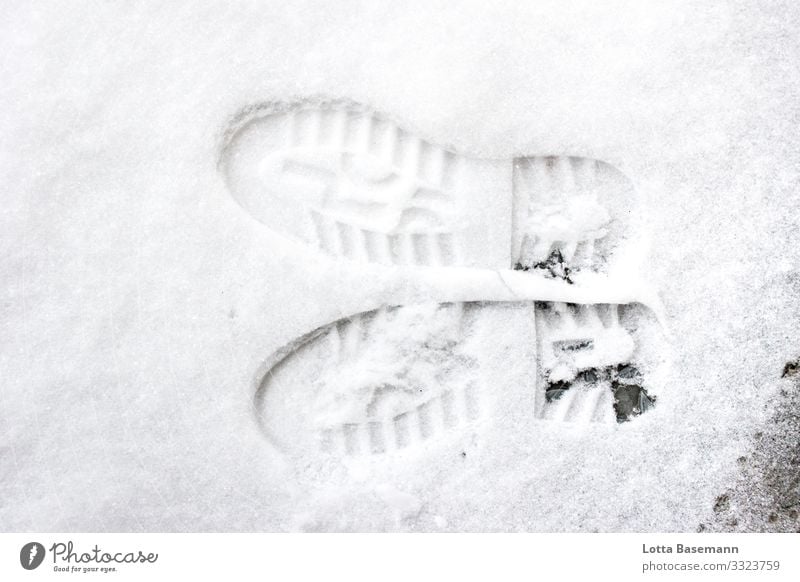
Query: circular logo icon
{"points": [[31, 555]]}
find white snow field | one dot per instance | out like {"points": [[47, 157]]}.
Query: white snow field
{"points": [[258, 265]]}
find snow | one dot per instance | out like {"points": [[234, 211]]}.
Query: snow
{"points": [[141, 304]]}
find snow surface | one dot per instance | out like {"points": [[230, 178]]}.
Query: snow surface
{"points": [[139, 302]]}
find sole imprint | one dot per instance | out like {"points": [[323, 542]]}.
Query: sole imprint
{"points": [[353, 183], [409, 378], [377, 382]]}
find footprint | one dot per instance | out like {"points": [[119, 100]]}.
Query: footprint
{"points": [[407, 379], [353, 183]]}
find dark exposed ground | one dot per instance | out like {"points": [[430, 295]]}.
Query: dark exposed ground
{"points": [[766, 498]]}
